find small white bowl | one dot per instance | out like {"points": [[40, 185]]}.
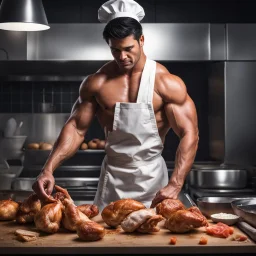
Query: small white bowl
{"points": [[226, 218]]}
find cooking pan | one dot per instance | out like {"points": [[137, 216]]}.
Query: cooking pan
{"points": [[246, 209]]}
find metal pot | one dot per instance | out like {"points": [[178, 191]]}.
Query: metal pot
{"points": [[246, 209], [221, 178]]}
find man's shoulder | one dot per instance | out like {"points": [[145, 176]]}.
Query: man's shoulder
{"points": [[94, 81], [170, 86], [163, 76]]}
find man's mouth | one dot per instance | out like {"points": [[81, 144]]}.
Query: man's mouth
{"points": [[126, 63]]}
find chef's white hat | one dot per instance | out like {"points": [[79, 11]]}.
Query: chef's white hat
{"points": [[120, 8]]}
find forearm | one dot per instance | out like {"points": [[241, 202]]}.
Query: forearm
{"points": [[66, 146], [184, 159]]}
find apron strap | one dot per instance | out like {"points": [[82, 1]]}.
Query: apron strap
{"points": [[147, 82]]}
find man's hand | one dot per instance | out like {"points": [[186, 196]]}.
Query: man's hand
{"points": [[43, 186], [169, 191]]}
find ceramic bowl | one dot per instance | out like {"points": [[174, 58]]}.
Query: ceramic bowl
{"points": [[226, 218]]}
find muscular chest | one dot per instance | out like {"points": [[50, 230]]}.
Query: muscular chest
{"points": [[122, 90]]}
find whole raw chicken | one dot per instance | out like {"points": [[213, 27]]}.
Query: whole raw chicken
{"points": [[75, 220], [28, 208], [8, 209]]}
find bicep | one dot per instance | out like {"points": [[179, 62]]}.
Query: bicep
{"points": [[83, 112], [182, 117]]}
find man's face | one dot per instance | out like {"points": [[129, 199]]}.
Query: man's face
{"points": [[126, 51]]}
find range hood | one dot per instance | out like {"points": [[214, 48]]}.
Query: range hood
{"points": [[75, 49], [72, 51], [181, 42]]}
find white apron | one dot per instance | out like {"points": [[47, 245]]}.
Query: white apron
{"points": [[133, 166]]}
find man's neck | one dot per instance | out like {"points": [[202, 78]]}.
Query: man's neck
{"points": [[138, 67]]}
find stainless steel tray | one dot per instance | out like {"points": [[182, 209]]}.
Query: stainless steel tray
{"points": [[89, 157], [246, 209], [25, 184]]}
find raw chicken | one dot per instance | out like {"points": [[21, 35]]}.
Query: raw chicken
{"points": [[86, 229], [8, 209], [220, 230], [28, 208]]}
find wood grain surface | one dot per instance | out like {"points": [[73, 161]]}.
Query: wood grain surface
{"points": [[117, 241]]}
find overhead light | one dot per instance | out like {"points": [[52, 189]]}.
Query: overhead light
{"points": [[23, 15]]}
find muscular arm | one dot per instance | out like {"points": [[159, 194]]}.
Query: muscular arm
{"points": [[70, 138], [73, 132], [182, 118]]}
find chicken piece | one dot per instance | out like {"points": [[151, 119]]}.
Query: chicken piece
{"points": [[61, 194], [197, 212], [48, 219], [90, 210], [114, 213], [8, 209], [138, 220], [86, 229], [183, 221], [150, 225], [168, 206], [71, 215], [28, 208]]}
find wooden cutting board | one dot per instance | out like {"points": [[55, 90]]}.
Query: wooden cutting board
{"points": [[117, 241]]}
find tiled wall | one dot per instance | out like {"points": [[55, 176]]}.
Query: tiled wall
{"points": [[24, 97]]}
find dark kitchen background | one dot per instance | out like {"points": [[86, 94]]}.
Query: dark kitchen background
{"points": [[26, 82]]}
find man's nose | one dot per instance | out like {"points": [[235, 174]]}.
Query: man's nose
{"points": [[123, 55]]}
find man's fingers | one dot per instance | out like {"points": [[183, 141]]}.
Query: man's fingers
{"points": [[158, 199], [155, 201], [49, 189], [40, 190]]}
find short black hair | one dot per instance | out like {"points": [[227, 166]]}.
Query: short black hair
{"points": [[122, 27]]}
